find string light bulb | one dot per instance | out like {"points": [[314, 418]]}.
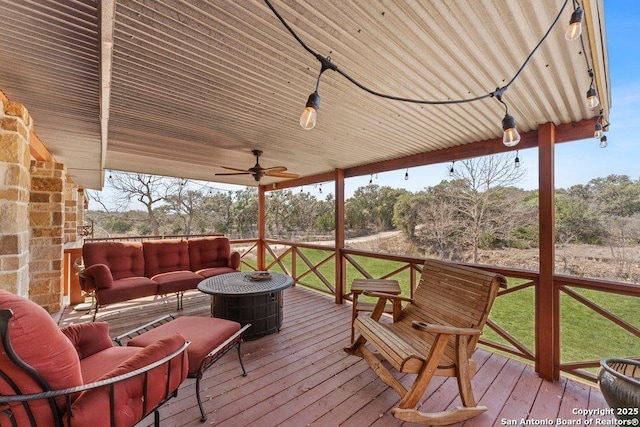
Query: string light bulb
{"points": [[517, 160], [592, 98], [320, 189], [451, 171], [309, 116], [597, 133], [511, 136], [592, 93], [575, 24], [371, 179], [110, 177], [406, 175], [603, 142]]}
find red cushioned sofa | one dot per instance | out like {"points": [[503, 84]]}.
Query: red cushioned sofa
{"points": [[120, 271], [76, 376]]}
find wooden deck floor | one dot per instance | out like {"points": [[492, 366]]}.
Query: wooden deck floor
{"points": [[300, 376]]}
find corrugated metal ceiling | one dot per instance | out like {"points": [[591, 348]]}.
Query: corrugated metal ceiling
{"points": [[196, 85]]}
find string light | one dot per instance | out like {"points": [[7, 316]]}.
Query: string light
{"points": [[592, 93], [600, 127], [110, 177], [451, 171], [371, 179], [320, 189], [517, 160], [597, 133], [603, 142], [575, 24], [511, 136], [406, 175]]}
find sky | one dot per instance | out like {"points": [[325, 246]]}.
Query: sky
{"points": [[576, 162]]}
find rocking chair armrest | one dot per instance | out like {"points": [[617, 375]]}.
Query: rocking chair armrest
{"points": [[442, 329], [386, 296]]}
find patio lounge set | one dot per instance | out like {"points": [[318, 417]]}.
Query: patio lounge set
{"points": [[451, 301]]}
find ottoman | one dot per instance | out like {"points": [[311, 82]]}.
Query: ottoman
{"points": [[210, 339]]}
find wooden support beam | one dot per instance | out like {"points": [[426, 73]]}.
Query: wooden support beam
{"points": [[339, 237], [547, 318], [261, 227], [563, 133], [305, 180]]}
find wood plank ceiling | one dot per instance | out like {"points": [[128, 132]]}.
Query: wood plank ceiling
{"points": [[183, 87]]}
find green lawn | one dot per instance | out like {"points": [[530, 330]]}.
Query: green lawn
{"points": [[585, 335]]}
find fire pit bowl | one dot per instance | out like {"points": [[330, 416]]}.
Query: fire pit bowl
{"points": [[619, 381]]}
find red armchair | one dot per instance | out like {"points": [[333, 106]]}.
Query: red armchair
{"points": [[76, 376]]}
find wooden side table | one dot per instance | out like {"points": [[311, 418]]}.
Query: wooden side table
{"points": [[358, 286]]}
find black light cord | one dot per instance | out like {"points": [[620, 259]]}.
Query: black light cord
{"points": [[327, 64]]}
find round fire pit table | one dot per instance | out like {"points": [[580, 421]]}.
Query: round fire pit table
{"points": [[254, 298]]}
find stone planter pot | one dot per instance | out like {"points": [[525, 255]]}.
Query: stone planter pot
{"points": [[619, 381]]}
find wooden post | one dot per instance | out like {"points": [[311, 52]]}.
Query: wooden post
{"points": [[547, 315], [339, 237], [261, 227]]}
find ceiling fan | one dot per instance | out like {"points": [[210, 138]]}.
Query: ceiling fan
{"points": [[258, 171]]}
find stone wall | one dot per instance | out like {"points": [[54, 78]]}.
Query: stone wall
{"points": [[46, 217], [15, 126]]}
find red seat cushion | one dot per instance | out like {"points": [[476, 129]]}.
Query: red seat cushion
{"points": [[95, 366], [214, 271], [204, 333], [176, 281], [127, 289]]}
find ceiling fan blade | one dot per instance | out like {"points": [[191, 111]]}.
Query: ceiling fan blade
{"points": [[274, 169], [234, 169], [233, 173], [282, 175]]}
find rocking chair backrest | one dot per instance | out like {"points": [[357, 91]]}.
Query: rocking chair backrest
{"points": [[453, 295]]}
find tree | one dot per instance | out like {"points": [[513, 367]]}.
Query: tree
{"points": [[185, 203], [245, 212], [617, 197], [372, 207], [576, 219], [149, 190], [217, 212]]}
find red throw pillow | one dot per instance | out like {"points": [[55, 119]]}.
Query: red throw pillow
{"points": [[89, 338]]}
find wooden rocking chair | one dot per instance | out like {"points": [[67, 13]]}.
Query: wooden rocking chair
{"points": [[435, 334]]}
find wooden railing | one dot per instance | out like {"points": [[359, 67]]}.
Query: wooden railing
{"points": [[611, 307], [313, 265]]}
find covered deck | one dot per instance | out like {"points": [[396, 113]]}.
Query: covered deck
{"points": [[301, 376], [189, 90]]}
